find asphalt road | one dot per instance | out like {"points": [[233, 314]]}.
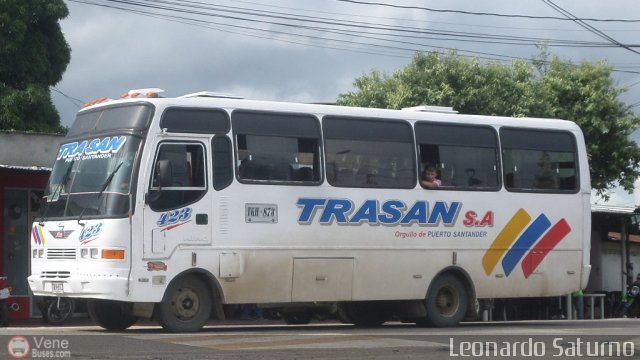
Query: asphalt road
{"points": [[532, 339]]}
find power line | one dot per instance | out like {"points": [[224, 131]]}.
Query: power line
{"points": [[482, 13], [75, 101], [202, 10], [326, 26], [229, 29], [587, 26], [405, 20], [198, 22], [634, 105]]}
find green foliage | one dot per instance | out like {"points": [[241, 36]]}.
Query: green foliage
{"points": [[34, 55], [585, 94], [29, 109]]}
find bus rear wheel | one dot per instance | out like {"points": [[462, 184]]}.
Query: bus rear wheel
{"points": [[110, 315], [446, 302], [186, 306]]}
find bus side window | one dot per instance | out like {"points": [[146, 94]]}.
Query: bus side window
{"points": [[188, 176], [539, 160], [466, 156], [277, 148], [222, 162], [383, 156]]}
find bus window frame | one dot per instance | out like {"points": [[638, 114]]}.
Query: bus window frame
{"points": [[203, 191], [497, 153], [167, 113], [394, 121], [271, 130], [214, 161], [576, 157]]}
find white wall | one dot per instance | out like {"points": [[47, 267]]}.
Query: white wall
{"points": [[611, 268], [26, 149]]}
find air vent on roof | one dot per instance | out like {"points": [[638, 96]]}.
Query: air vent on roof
{"points": [[212, 95], [436, 109]]}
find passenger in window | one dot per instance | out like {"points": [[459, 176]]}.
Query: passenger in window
{"points": [[305, 174], [243, 168], [545, 178], [429, 178], [472, 180], [369, 174]]}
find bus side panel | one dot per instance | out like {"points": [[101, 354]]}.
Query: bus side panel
{"points": [[398, 261]]}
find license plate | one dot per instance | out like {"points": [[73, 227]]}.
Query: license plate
{"points": [[261, 213], [57, 287]]}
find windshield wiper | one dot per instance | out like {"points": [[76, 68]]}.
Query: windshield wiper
{"points": [[102, 189], [56, 193]]}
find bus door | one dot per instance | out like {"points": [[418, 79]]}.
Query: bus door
{"points": [[178, 201]]}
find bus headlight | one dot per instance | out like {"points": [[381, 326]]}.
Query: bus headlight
{"points": [[84, 253], [94, 253]]}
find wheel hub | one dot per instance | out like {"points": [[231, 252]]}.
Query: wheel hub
{"points": [[186, 303], [447, 301]]}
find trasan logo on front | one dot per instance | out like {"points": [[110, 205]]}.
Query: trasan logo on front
{"points": [[106, 145], [389, 212]]}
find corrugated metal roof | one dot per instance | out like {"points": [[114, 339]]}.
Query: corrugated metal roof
{"points": [[25, 168], [612, 209]]}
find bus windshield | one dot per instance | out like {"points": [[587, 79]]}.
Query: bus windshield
{"points": [[92, 177]]}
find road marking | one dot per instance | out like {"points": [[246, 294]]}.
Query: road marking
{"points": [[288, 341]]}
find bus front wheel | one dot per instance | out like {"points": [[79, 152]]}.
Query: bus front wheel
{"points": [[111, 315], [446, 302], [186, 306]]}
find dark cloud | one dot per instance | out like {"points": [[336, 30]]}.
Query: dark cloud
{"points": [[113, 51]]}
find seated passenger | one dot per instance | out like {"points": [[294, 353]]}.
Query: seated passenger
{"points": [[305, 174], [429, 179]]}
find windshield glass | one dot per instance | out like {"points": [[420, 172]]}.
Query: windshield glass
{"points": [[92, 177]]}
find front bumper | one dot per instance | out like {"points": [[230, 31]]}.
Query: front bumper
{"points": [[112, 287]]}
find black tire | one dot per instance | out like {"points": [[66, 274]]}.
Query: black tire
{"points": [[4, 314], [296, 318], [446, 302], [364, 313], [186, 306], [110, 315], [59, 310]]}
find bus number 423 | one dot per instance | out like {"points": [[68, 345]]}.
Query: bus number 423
{"points": [[174, 216]]}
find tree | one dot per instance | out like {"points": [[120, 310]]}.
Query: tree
{"points": [[583, 93], [33, 56]]}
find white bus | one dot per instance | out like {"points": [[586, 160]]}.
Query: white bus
{"points": [[169, 208]]}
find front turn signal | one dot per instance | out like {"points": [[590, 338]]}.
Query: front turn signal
{"points": [[113, 254]]}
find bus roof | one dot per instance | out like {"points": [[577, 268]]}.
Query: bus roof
{"points": [[425, 113]]}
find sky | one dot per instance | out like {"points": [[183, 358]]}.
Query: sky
{"points": [[312, 50]]}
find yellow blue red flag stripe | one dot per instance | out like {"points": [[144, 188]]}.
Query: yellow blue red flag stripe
{"points": [[525, 242], [38, 236]]}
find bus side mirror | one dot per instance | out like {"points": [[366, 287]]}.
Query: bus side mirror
{"points": [[163, 173]]}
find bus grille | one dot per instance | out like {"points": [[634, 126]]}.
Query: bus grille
{"points": [[61, 254], [55, 274]]}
